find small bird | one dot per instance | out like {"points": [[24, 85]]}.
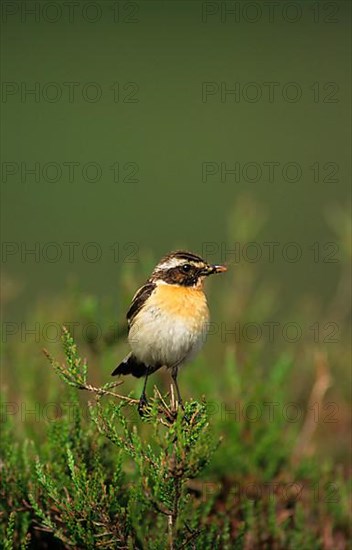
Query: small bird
{"points": [[168, 318]]}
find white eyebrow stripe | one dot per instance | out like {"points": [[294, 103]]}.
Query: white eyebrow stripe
{"points": [[172, 262], [176, 262]]}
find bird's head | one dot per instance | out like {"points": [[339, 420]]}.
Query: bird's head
{"points": [[184, 269]]}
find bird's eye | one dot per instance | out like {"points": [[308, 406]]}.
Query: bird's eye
{"points": [[186, 268]]}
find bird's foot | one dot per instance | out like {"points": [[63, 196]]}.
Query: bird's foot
{"points": [[142, 405], [175, 409], [187, 418]]}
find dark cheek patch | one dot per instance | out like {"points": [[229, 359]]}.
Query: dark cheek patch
{"points": [[178, 277]]}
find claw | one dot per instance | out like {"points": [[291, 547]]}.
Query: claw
{"points": [[143, 402]]}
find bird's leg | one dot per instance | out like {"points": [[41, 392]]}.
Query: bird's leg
{"points": [[143, 398], [174, 373]]}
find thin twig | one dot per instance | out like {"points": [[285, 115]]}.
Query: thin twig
{"points": [[170, 415], [192, 536], [161, 398], [172, 398], [101, 391], [171, 533], [321, 385]]}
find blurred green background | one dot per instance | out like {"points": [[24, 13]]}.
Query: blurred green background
{"points": [[162, 132], [169, 49]]}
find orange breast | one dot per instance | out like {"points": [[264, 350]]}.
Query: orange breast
{"points": [[188, 303]]}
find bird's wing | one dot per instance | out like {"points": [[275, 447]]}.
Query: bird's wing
{"points": [[139, 300]]}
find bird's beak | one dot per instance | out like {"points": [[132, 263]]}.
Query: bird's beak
{"points": [[219, 268], [211, 269]]}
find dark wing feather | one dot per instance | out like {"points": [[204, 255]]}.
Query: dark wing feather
{"points": [[139, 299]]}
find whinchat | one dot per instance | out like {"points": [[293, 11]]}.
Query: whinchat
{"points": [[168, 318]]}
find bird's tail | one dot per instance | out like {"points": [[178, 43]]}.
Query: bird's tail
{"points": [[131, 365]]}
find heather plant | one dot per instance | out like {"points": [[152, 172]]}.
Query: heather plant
{"points": [[102, 483], [109, 479]]}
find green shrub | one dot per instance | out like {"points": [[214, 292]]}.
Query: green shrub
{"points": [[110, 479]]}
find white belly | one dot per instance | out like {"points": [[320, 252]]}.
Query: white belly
{"points": [[159, 339]]}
